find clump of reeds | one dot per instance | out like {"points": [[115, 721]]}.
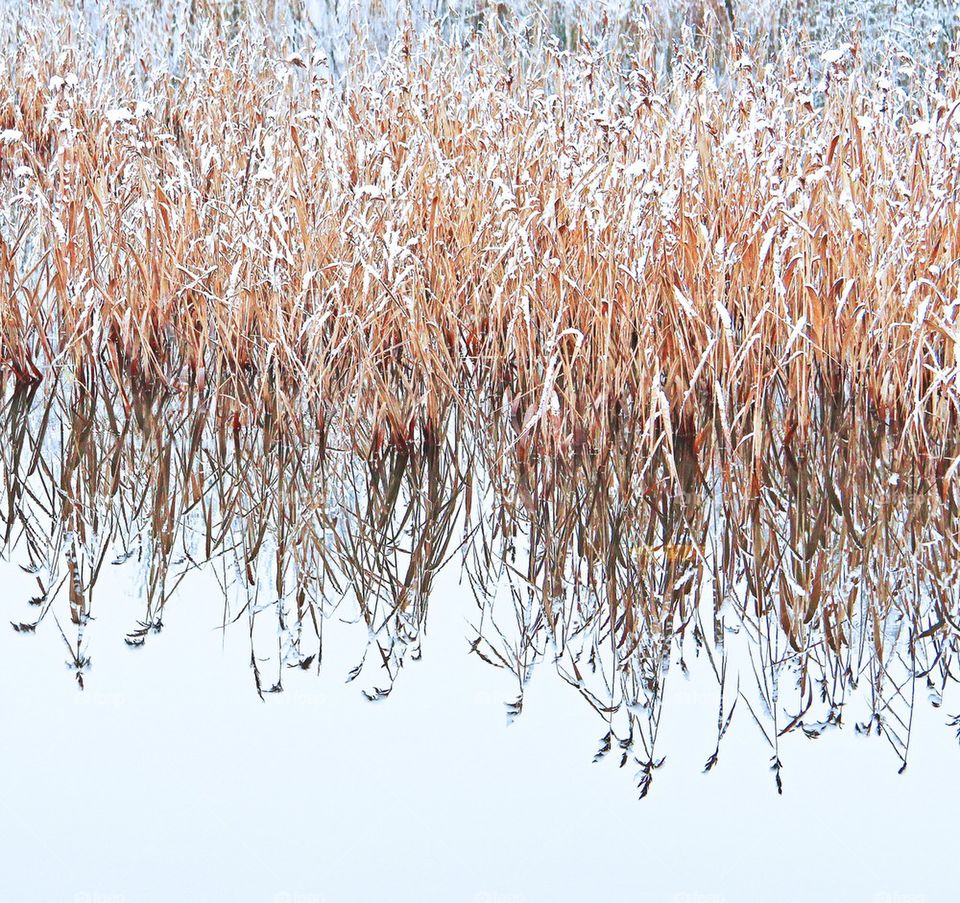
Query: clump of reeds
{"points": [[639, 334], [590, 241]]}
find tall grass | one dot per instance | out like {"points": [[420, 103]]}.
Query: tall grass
{"points": [[658, 336]]}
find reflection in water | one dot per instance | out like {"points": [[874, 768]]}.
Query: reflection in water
{"points": [[809, 574], [654, 341]]}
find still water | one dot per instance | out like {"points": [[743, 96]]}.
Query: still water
{"points": [[244, 668]]}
